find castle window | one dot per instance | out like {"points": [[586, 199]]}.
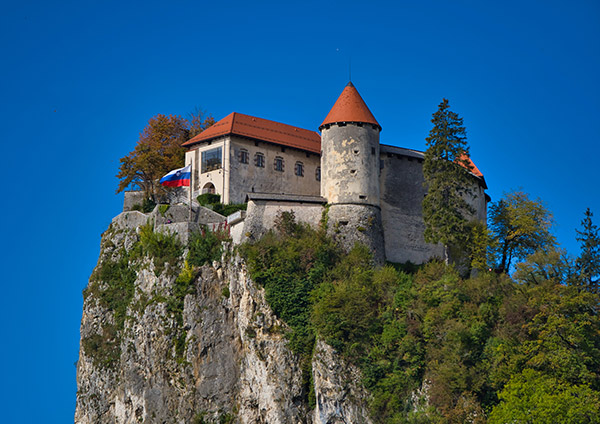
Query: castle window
{"points": [[278, 164], [372, 150], [299, 169], [318, 173], [244, 156], [211, 160], [259, 160]]}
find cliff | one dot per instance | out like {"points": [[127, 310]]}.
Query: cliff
{"points": [[166, 342]]}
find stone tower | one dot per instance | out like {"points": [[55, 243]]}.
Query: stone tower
{"points": [[350, 173]]}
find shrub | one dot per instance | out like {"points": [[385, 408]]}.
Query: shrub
{"points": [[112, 283], [213, 201], [184, 285], [148, 205], [163, 209], [164, 249], [208, 199], [206, 246]]}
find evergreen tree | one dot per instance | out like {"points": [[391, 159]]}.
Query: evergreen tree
{"points": [[589, 259], [446, 170]]}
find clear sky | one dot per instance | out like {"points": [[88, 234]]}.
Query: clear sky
{"points": [[80, 79]]}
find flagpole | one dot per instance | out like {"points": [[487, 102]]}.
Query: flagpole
{"points": [[191, 183]]}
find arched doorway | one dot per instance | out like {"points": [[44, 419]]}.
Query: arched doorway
{"points": [[208, 188]]}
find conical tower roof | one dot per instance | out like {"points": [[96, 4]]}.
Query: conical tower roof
{"points": [[350, 107]]}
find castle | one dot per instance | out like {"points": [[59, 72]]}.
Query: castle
{"points": [[373, 191]]}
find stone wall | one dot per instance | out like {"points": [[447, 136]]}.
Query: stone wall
{"points": [[236, 178], [264, 209], [132, 198], [248, 178], [402, 193], [350, 224], [350, 163]]}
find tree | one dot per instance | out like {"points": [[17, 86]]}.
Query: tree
{"points": [[159, 151], [198, 121], [588, 261], [448, 181], [520, 227], [532, 397]]}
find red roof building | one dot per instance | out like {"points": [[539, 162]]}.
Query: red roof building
{"points": [[260, 129]]}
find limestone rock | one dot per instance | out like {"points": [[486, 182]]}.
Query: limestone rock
{"points": [[221, 357]]}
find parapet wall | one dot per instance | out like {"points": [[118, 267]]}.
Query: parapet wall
{"points": [[264, 209]]}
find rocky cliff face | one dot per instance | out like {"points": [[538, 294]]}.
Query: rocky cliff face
{"points": [[213, 352]]}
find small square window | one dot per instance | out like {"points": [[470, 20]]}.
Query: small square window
{"points": [[244, 156], [278, 164], [259, 160]]}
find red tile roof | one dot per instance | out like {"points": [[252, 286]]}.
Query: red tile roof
{"points": [[350, 107], [260, 129], [474, 170]]}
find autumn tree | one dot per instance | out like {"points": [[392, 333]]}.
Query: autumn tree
{"points": [[520, 226], [588, 261], [448, 181], [159, 151]]}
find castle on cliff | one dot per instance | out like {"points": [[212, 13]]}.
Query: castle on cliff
{"points": [[373, 191]]}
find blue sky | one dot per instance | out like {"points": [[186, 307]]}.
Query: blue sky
{"points": [[80, 79]]}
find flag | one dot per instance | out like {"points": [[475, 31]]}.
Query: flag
{"points": [[178, 177]]}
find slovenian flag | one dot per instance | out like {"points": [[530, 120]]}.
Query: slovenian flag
{"points": [[178, 177]]}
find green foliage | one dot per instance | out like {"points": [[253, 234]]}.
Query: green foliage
{"points": [[446, 171], [520, 226], [223, 418], [148, 205], [534, 397], [225, 292], [481, 247], [105, 347], [164, 249], [207, 199], [163, 209], [588, 261], [346, 309], [184, 285], [289, 262], [112, 283], [206, 246], [213, 201]]}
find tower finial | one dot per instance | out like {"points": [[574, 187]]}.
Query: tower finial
{"points": [[350, 69]]}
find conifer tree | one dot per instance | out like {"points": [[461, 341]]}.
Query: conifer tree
{"points": [[589, 259], [446, 170]]}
